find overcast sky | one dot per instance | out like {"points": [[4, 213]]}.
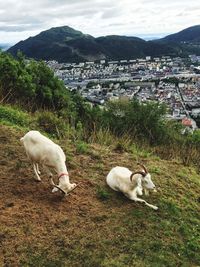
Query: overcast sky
{"points": [[20, 19]]}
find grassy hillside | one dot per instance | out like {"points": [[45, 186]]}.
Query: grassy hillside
{"points": [[95, 226]]}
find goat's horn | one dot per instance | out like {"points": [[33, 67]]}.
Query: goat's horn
{"points": [[132, 174], [52, 182], [72, 189], [144, 168]]}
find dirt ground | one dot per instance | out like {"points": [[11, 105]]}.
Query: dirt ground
{"points": [[30, 213]]}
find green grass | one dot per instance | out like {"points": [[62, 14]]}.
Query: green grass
{"points": [[82, 147], [155, 170], [127, 240], [102, 193], [13, 116]]}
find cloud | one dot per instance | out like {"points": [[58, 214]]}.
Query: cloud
{"points": [[22, 18], [17, 28]]}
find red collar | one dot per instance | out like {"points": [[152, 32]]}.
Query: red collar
{"points": [[62, 174]]}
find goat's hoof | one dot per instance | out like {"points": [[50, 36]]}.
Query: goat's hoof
{"points": [[155, 208]]}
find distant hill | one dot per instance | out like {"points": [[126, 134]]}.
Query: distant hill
{"points": [[123, 47], [186, 41], [65, 44], [191, 34]]}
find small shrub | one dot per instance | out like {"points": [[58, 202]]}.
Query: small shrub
{"points": [[102, 137], [119, 148], [81, 148], [52, 124]]}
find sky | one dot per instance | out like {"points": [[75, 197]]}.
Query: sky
{"points": [[20, 19]]}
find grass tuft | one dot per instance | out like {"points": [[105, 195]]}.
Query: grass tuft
{"points": [[102, 193]]}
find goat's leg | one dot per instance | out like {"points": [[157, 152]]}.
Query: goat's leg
{"points": [[55, 189], [35, 170], [37, 167], [134, 197], [146, 203]]}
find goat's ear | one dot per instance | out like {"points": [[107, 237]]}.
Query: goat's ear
{"points": [[55, 190]]}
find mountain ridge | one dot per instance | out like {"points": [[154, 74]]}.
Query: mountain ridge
{"points": [[66, 44], [190, 34]]}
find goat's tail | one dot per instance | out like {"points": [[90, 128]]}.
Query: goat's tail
{"points": [[22, 139]]}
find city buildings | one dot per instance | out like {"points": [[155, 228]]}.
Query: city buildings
{"points": [[172, 81]]}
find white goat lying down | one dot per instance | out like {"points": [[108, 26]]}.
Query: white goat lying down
{"points": [[130, 183], [41, 150]]}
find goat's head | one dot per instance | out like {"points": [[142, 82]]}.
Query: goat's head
{"points": [[146, 178], [64, 188], [147, 182]]}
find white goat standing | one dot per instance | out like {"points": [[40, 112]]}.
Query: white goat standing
{"points": [[41, 150], [131, 183]]}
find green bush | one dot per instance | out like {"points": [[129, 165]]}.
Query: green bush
{"points": [[14, 116], [138, 120]]}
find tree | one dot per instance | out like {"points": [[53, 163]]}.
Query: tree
{"points": [[31, 83], [136, 119]]}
